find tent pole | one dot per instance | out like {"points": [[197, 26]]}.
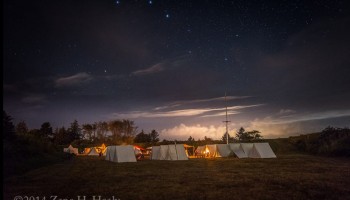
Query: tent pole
{"points": [[226, 121]]}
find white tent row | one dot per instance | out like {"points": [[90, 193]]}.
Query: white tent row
{"points": [[169, 152], [71, 149], [120, 153], [241, 150]]}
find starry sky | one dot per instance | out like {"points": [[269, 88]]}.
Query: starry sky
{"points": [[284, 65]]}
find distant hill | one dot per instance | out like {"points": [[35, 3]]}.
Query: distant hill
{"points": [[330, 142]]}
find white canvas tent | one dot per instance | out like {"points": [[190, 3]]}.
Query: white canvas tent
{"points": [[181, 152], [169, 152], [261, 150], [71, 149], [211, 150], [121, 154], [237, 149], [224, 150], [247, 147], [155, 153], [93, 152], [200, 151], [107, 153], [104, 151]]}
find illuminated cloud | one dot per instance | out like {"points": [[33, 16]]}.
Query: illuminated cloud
{"points": [[219, 114], [166, 107], [269, 129], [214, 99], [75, 80], [182, 113], [175, 113], [312, 116], [151, 70], [183, 132], [292, 125], [181, 103], [286, 111]]}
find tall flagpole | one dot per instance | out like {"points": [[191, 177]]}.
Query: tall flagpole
{"points": [[226, 121]]}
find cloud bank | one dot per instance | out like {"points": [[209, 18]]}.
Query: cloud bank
{"points": [[74, 80]]}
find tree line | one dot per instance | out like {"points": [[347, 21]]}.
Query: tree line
{"points": [[116, 132], [112, 132]]}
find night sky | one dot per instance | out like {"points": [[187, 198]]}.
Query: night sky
{"points": [[285, 65]]}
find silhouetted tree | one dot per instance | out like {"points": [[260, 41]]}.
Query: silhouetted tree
{"points": [[8, 127], [21, 128], [62, 136], [142, 137], [46, 130], [116, 127], [190, 139], [245, 136], [224, 138], [74, 131], [128, 128], [254, 135], [208, 140], [87, 131], [94, 129], [35, 132], [154, 136], [102, 130], [124, 130]]}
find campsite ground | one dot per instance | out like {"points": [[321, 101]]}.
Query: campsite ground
{"points": [[288, 176]]}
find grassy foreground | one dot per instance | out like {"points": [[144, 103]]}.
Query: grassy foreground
{"points": [[287, 177]]}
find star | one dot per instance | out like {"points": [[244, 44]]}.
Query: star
{"points": [[105, 71], [167, 16], [150, 2]]}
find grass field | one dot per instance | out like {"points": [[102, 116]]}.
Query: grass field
{"points": [[287, 177]]}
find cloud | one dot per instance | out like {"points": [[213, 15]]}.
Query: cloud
{"points": [[75, 80], [162, 66], [183, 112], [219, 114], [183, 132], [34, 99], [166, 107], [314, 116], [181, 103], [270, 129], [294, 124], [286, 111], [212, 99], [270, 126], [151, 70], [175, 113]]}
